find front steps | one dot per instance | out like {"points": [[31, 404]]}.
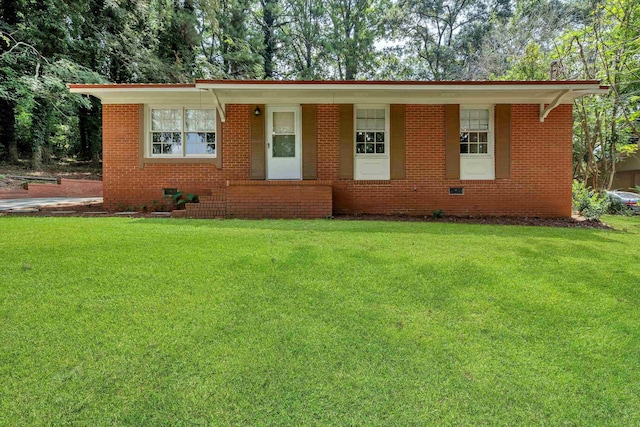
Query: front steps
{"points": [[209, 207], [260, 199]]}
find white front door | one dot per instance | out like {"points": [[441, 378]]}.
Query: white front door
{"points": [[284, 147]]}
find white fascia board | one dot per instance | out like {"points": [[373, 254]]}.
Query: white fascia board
{"points": [[340, 94], [173, 96]]}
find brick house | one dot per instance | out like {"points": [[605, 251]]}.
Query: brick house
{"points": [[309, 149]]}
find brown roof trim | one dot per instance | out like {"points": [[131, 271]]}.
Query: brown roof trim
{"points": [[130, 85], [331, 82], [398, 82]]}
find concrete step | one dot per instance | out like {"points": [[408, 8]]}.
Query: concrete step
{"points": [[179, 214]]}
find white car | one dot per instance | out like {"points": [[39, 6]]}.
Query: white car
{"points": [[632, 200]]}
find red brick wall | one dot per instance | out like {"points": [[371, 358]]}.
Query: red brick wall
{"points": [[540, 183], [298, 199], [126, 184]]}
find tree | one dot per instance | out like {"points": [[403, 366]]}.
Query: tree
{"points": [[355, 25], [302, 54], [607, 48], [441, 36]]}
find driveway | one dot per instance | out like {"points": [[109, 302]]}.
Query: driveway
{"points": [[11, 204]]}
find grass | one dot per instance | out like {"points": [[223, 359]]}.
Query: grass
{"points": [[168, 322]]}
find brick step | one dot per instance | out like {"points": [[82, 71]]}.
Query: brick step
{"points": [[17, 194], [213, 198], [206, 205]]}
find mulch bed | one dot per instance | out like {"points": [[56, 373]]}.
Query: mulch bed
{"points": [[575, 222]]}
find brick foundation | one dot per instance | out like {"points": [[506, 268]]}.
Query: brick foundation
{"points": [[279, 199]]}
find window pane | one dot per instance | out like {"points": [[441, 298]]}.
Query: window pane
{"points": [[483, 137], [199, 120], [464, 148], [369, 136], [284, 146], [200, 143], [195, 138], [379, 136], [379, 124], [464, 137], [476, 119], [359, 136], [157, 149], [483, 148], [379, 148], [370, 148], [284, 123], [360, 147], [473, 137], [360, 113], [371, 124], [473, 148]]}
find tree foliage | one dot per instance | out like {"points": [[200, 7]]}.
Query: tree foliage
{"points": [[45, 44]]}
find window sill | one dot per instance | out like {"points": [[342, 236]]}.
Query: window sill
{"points": [[179, 160]]}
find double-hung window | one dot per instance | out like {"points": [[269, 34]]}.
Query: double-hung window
{"points": [[476, 143], [371, 143], [182, 132]]}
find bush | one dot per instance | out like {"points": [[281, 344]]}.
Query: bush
{"points": [[588, 202], [438, 214]]}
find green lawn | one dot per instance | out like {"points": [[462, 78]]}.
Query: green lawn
{"points": [[181, 322]]}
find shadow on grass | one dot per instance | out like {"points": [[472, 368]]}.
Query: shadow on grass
{"points": [[332, 226]]}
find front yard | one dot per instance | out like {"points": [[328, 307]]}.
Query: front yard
{"points": [[175, 322]]}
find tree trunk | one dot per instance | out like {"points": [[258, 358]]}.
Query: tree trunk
{"points": [[269, 39], [8, 130], [8, 14], [36, 157]]}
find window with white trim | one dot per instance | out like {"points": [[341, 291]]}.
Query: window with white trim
{"points": [[474, 131], [182, 132], [476, 142], [371, 145], [371, 131]]}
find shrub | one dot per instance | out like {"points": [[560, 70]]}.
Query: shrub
{"points": [[180, 198], [588, 202], [438, 214]]}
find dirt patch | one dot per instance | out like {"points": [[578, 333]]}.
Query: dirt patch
{"points": [[9, 184], [64, 169]]}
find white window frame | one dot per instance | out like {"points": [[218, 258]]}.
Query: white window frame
{"points": [[372, 166], [148, 146], [469, 160], [386, 129]]}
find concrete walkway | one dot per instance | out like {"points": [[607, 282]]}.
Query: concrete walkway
{"points": [[11, 204]]}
